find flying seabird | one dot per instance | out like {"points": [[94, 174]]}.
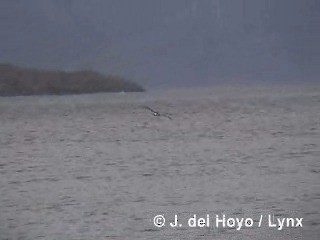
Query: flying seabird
{"points": [[157, 114], [153, 112]]}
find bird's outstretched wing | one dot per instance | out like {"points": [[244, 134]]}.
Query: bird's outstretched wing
{"points": [[155, 113], [168, 116], [149, 109]]}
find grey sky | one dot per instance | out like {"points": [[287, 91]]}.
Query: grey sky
{"points": [[166, 42]]}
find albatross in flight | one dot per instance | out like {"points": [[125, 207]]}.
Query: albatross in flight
{"points": [[157, 114]]}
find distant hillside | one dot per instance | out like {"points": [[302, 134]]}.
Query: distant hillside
{"points": [[18, 81]]}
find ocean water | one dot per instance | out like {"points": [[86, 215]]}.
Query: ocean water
{"points": [[101, 166]]}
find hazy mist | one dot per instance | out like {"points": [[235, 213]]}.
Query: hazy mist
{"points": [[167, 43]]}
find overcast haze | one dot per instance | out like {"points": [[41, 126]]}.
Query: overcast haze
{"points": [[166, 43]]}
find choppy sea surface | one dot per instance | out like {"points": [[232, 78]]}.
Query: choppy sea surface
{"points": [[101, 166]]}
